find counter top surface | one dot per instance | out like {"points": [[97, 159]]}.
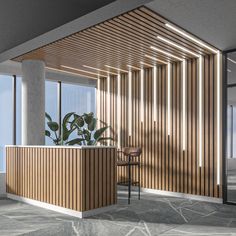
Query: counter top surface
{"points": [[45, 146]]}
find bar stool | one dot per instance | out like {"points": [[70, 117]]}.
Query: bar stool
{"points": [[132, 156]]}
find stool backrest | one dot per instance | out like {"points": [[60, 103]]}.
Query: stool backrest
{"points": [[132, 151]]}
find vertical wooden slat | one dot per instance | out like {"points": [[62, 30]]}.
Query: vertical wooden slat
{"points": [[96, 178], [83, 170], [71, 180], [100, 174], [74, 179], [108, 176], [92, 180], [104, 174]]}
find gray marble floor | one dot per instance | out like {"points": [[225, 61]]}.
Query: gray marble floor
{"points": [[152, 215]]}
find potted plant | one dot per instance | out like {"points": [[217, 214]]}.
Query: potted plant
{"points": [[85, 127]]}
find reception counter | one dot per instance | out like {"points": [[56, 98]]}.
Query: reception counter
{"points": [[79, 181]]}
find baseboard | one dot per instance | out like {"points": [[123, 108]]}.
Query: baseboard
{"points": [[175, 194], [183, 195], [59, 209]]}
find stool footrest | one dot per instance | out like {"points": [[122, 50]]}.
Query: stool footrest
{"points": [[126, 183]]}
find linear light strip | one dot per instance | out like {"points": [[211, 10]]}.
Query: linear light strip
{"points": [[200, 111], [94, 68], [71, 73], [130, 102], [155, 59], [98, 100], [118, 69], [133, 67], [108, 106], [218, 118], [142, 95], [85, 71], [231, 60], [146, 64], [168, 81], [184, 104], [191, 38], [155, 93], [177, 46], [118, 111], [166, 53]]}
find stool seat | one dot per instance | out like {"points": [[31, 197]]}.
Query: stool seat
{"points": [[126, 163], [132, 158]]}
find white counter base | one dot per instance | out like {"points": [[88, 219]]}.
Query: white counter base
{"points": [[62, 210], [2, 184]]}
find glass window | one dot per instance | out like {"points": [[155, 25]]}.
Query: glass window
{"points": [[6, 119], [76, 98], [51, 99], [231, 127], [79, 99]]}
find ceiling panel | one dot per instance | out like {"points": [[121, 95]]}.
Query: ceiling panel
{"points": [[140, 35]]}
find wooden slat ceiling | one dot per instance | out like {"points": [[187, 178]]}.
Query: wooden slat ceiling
{"points": [[121, 41]]}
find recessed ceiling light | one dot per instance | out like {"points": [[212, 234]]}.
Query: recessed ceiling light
{"points": [[191, 38], [166, 53], [177, 46], [94, 68], [84, 71], [231, 60], [118, 69], [155, 59]]}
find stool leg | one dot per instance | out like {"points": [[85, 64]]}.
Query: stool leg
{"points": [[129, 185], [139, 181]]}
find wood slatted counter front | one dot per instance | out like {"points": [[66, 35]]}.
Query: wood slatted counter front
{"points": [[81, 180]]}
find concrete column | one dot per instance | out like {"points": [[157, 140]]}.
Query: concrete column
{"points": [[33, 102]]}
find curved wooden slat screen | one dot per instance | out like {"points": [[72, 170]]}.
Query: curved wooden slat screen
{"points": [[78, 179], [165, 165]]}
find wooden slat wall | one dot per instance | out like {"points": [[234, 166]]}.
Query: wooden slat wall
{"points": [[78, 179], [165, 166], [119, 41]]}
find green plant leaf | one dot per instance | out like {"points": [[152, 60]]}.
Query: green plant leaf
{"points": [[87, 135], [92, 124], [67, 117], [79, 131], [65, 131], [47, 133], [75, 116], [104, 138], [80, 121], [91, 142], [88, 117], [98, 133], [53, 125], [75, 141], [48, 116]]}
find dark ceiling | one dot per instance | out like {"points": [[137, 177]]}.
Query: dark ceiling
{"points": [[211, 20], [22, 20]]}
